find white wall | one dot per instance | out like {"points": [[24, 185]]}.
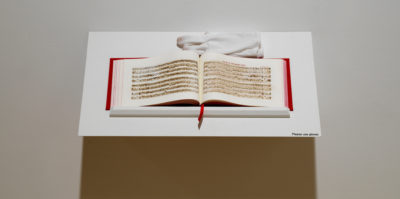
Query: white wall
{"points": [[42, 56]]}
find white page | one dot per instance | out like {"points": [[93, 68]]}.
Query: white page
{"points": [[277, 81], [124, 76]]}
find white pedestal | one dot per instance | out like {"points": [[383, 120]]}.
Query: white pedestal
{"points": [[96, 121]]}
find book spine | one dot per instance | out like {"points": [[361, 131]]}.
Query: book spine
{"points": [[200, 71]]}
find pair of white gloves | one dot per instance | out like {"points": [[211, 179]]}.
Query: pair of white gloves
{"points": [[235, 44]]}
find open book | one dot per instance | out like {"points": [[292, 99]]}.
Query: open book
{"points": [[187, 78]]}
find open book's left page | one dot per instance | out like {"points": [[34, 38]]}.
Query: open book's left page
{"points": [[165, 80]]}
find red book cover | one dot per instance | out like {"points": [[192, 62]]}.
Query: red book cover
{"points": [[288, 83]]}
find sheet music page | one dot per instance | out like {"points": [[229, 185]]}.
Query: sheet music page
{"points": [[156, 80], [243, 81]]}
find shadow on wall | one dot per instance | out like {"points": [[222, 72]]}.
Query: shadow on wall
{"points": [[218, 168]]}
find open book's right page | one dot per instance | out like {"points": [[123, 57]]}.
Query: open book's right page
{"points": [[242, 81]]}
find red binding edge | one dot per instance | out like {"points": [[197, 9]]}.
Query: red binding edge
{"points": [[289, 84]]}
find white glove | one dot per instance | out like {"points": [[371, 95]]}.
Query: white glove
{"points": [[246, 44]]}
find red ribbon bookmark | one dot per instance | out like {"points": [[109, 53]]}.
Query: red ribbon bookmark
{"points": [[201, 112]]}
